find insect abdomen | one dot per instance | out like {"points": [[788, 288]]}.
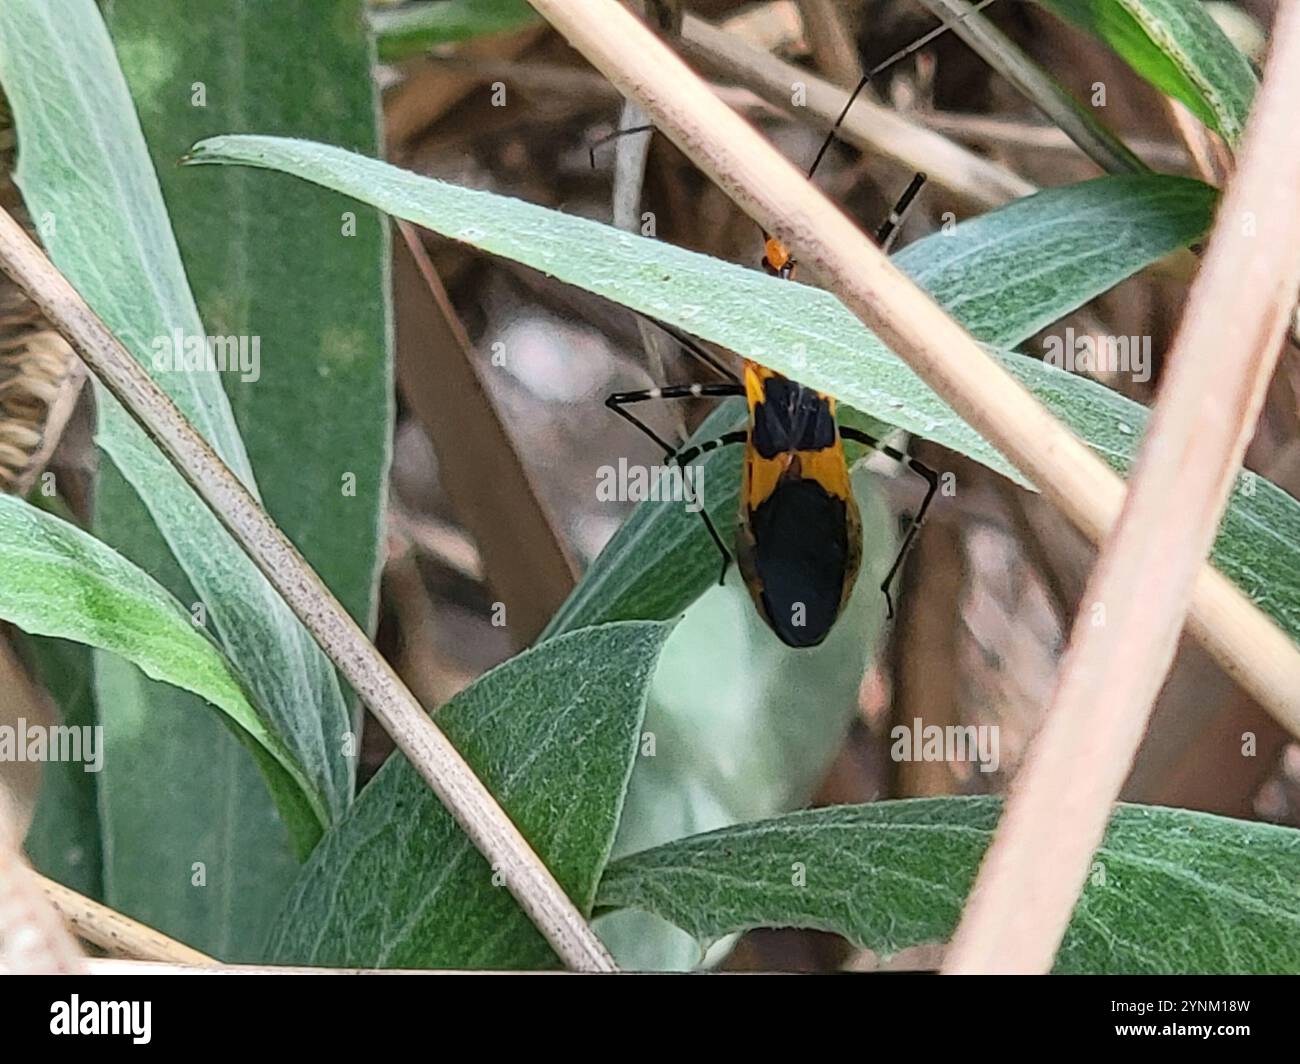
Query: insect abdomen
{"points": [[798, 559]]}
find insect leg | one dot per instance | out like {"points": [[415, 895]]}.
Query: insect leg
{"points": [[689, 455], [619, 400], [685, 458], [931, 479], [889, 227]]}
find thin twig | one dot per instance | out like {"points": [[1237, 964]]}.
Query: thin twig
{"points": [[1248, 645], [1133, 608], [1015, 134], [99, 966], [1037, 86], [1209, 155], [771, 27], [867, 126], [424, 745], [115, 932], [830, 36], [555, 81]]}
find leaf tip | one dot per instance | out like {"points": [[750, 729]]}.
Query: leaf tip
{"points": [[199, 152]]}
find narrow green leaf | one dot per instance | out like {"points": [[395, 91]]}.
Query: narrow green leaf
{"points": [[414, 28], [552, 733], [192, 842], [1013, 271], [798, 330], [1171, 891], [1006, 274], [1178, 48], [213, 866], [279, 260], [279, 263], [85, 175], [56, 580]]}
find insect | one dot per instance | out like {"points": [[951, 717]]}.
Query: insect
{"points": [[798, 537], [798, 540]]}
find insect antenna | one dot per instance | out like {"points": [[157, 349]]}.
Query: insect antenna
{"points": [[600, 142], [879, 68], [696, 350]]}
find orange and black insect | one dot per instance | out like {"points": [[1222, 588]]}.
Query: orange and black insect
{"points": [[799, 534]]}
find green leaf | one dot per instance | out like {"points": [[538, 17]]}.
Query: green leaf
{"points": [[801, 331], [727, 746], [63, 838], [1013, 271], [192, 843], [1171, 891], [280, 260], [56, 580], [798, 330], [211, 866], [414, 28], [85, 175], [1178, 48], [1007, 273], [1258, 545], [552, 733]]}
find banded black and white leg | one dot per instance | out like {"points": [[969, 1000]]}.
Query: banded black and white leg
{"points": [[927, 474], [619, 401], [686, 457], [888, 230]]}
